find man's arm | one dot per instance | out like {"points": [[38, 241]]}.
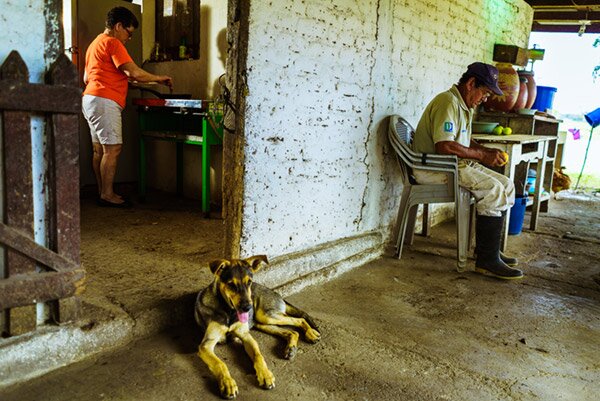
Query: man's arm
{"points": [[135, 73], [487, 156]]}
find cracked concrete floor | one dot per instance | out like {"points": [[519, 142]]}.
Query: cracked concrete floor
{"points": [[410, 329]]}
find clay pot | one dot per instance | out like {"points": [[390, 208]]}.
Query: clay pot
{"points": [[531, 88], [508, 81], [523, 92]]}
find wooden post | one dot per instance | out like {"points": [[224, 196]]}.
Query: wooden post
{"points": [[58, 274], [18, 181]]}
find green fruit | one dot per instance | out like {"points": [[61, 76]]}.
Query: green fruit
{"points": [[498, 130], [507, 131]]}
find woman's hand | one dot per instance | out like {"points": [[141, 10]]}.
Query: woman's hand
{"points": [[165, 80]]}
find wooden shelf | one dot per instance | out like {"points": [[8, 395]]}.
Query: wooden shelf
{"points": [[543, 198]]}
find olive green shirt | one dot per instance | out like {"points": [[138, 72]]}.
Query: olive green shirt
{"points": [[446, 118]]}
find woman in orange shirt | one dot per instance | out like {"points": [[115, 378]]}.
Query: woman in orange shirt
{"points": [[108, 69]]}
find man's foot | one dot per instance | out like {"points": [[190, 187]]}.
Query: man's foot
{"points": [[512, 262], [499, 270]]}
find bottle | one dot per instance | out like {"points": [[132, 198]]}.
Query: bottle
{"points": [[182, 49], [155, 56]]}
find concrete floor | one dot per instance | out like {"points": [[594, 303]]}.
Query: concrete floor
{"points": [[410, 329]]}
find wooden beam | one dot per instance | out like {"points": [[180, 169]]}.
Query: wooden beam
{"points": [[26, 246], [590, 29], [30, 97], [566, 16], [29, 289], [563, 3]]}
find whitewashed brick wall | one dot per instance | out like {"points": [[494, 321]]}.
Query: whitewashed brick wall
{"points": [[322, 76]]}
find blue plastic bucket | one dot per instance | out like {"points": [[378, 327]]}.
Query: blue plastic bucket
{"points": [[517, 215], [530, 185], [544, 98], [593, 117]]}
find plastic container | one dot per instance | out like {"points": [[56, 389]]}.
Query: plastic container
{"points": [[517, 215], [544, 98], [530, 183], [593, 118]]}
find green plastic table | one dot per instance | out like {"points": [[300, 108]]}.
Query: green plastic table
{"points": [[185, 122]]}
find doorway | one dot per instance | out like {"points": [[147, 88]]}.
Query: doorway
{"points": [[158, 250]]}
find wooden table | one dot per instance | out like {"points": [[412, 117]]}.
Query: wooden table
{"points": [[522, 148]]}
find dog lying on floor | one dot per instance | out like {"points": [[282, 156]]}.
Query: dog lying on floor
{"points": [[231, 305]]}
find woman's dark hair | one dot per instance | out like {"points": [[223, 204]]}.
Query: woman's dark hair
{"points": [[122, 15], [465, 77]]}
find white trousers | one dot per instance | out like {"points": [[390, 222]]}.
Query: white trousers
{"points": [[493, 191]]}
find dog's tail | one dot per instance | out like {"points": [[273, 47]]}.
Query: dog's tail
{"points": [[295, 312]]}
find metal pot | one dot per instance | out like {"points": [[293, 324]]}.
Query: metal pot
{"points": [[165, 95]]}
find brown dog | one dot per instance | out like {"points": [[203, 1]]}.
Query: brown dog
{"points": [[233, 304]]}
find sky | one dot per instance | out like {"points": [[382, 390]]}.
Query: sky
{"points": [[568, 64]]}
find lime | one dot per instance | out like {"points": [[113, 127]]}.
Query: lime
{"points": [[507, 131], [498, 130]]}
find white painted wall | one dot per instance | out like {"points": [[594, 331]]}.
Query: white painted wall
{"points": [[322, 76]]}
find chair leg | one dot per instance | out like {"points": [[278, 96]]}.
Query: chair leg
{"points": [[473, 209], [426, 229], [409, 234], [401, 222], [463, 216]]}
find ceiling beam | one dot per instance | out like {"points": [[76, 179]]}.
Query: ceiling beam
{"points": [[594, 28], [571, 16], [582, 4]]}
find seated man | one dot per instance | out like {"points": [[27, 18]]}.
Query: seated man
{"points": [[445, 128]]}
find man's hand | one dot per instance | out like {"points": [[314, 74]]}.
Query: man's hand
{"points": [[492, 157]]}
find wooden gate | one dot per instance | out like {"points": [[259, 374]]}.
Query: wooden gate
{"points": [[31, 273]]}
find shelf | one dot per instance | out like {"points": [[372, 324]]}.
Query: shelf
{"points": [[543, 198], [536, 117]]}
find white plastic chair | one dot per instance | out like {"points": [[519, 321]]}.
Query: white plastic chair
{"points": [[400, 135]]}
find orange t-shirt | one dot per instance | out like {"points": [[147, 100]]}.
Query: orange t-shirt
{"points": [[102, 61]]}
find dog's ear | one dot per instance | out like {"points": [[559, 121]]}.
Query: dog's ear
{"points": [[217, 265], [256, 261]]}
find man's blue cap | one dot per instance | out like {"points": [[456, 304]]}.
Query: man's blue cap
{"points": [[487, 74]]}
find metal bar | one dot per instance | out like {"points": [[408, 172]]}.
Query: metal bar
{"points": [[205, 170], [28, 289], [142, 177], [179, 168]]}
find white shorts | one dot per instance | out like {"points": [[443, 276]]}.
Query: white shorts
{"points": [[104, 118]]}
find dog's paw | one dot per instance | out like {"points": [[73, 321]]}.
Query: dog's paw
{"points": [[312, 335], [265, 378], [290, 352], [228, 388]]}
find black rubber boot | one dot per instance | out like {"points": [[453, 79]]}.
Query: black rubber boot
{"points": [[488, 235], [512, 262]]}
